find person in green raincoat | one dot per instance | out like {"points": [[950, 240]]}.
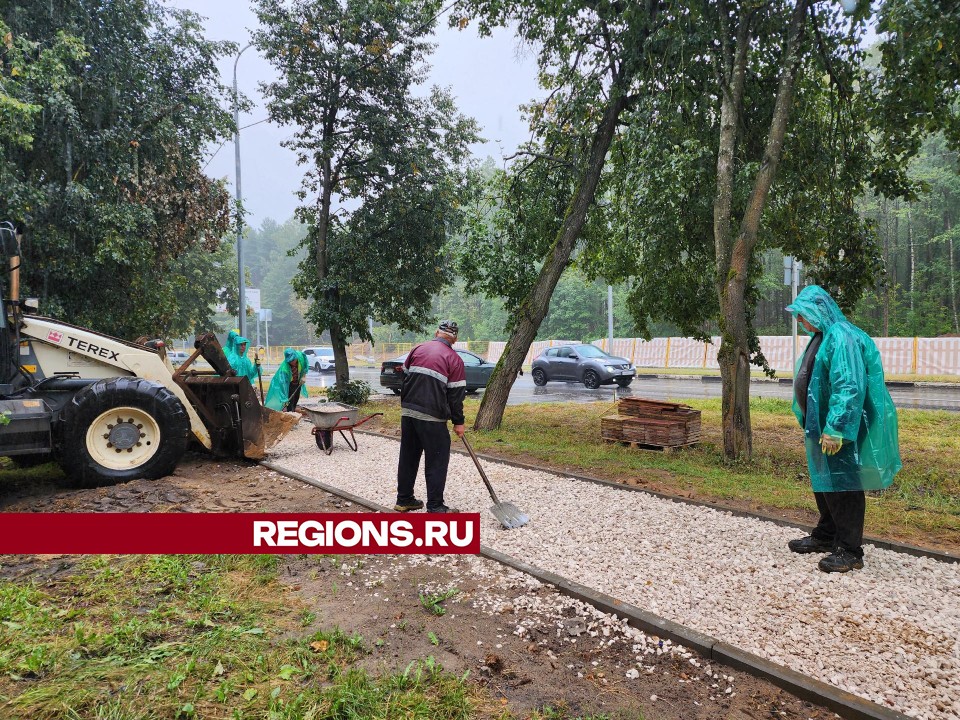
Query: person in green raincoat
{"points": [[236, 352], [849, 424], [288, 382]]}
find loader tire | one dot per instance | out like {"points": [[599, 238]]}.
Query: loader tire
{"points": [[123, 429]]}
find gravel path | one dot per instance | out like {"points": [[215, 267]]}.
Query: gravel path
{"points": [[889, 633]]}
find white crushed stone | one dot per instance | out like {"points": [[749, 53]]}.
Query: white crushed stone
{"points": [[889, 633]]}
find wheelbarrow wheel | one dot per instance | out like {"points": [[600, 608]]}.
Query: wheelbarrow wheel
{"points": [[324, 439]]}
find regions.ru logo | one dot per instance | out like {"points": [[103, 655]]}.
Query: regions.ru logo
{"points": [[54, 336]]}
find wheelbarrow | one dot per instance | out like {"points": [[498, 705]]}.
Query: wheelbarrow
{"points": [[331, 417]]}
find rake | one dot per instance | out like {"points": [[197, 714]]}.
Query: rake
{"points": [[509, 515]]}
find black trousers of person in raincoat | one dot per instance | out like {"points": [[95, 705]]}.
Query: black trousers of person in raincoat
{"points": [[848, 418]]}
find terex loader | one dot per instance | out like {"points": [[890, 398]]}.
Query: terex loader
{"points": [[110, 410]]}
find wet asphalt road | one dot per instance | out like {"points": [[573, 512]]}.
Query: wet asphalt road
{"points": [[924, 397]]}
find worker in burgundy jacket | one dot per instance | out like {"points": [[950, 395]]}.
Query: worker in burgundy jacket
{"points": [[434, 386]]}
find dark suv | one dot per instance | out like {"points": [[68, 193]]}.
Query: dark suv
{"points": [[582, 363]]}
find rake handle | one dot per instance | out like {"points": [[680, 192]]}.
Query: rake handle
{"points": [[483, 475]]}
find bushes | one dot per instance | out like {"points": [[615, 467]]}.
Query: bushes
{"points": [[355, 392]]}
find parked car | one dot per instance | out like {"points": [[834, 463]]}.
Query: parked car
{"points": [[177, 357], [320, 358], [477, 369], [582, 363]]}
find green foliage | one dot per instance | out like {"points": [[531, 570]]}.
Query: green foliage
{"points": [[480, 317], [275, 254], [919, 86], [578, 311], [354, 392], [510, 228], [663, 179], [434, 601], [918, 293], [153, 637], [385, 164], [100, 162]]}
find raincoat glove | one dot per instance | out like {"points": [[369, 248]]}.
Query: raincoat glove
{"points": [[830, 445]]}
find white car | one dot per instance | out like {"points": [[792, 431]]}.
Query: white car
{"points": [[320, 358], [177, 357]]}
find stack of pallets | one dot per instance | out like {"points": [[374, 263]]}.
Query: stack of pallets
{"points": [[652, 423]]}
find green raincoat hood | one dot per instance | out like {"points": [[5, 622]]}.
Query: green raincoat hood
{"points": [[279, 393], [243, 365], [817, 308], [846, 399]]}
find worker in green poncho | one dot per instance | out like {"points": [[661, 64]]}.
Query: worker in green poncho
{"points": [[849, 423], [288, 382], [236, 352]]}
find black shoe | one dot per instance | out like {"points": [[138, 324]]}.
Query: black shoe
{"points": [[840, 560], [408, 505], [810, 544], [442, 509]]}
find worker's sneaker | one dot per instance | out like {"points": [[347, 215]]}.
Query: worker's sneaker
{"points": [[810, 544], [408, 505], [442, 509], [840, 560]]}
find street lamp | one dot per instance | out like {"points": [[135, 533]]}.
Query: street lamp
{"points": [[791, 277], [242, 299]]}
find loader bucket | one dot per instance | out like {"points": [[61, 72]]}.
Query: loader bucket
{"points": [[239, 425]]}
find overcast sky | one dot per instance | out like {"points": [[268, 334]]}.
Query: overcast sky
{"points": [[489, 78]]}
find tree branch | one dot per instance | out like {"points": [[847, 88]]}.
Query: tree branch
{"points": [[540, 156], [747, 237], [825, 56]]}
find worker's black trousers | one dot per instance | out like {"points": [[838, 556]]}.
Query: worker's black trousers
{"points": [[841, 519], [294, 396], [432, 440]]}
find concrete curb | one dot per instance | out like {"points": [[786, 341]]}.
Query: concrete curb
{"points": [[893, 546], [845, 704], [789, 381]]}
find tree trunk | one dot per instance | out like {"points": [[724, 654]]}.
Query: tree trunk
{"points": [[734, 361], [886, 269], [340, 359], [896, 250], [953, 281], [733, 259], [913, 265], [337, 340], [535, 305]]}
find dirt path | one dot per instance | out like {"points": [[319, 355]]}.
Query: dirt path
{"points": [[529, 646]]}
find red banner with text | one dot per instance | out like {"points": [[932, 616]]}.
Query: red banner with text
{"points": [[238, 533]]}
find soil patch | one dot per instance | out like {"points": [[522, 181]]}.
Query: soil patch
{"points": [[530, 647]]}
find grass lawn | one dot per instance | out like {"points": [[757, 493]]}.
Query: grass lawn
{"points": [[921, 507], [179, 636]]}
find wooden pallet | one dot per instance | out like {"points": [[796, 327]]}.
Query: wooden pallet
{"points": [[643, 446], [652, 424]]}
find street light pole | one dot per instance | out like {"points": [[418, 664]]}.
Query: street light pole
{"points": [[791, 277], [610, 318], [241, 281]]}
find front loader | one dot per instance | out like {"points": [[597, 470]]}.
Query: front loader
{"points": [[110, 410]]}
